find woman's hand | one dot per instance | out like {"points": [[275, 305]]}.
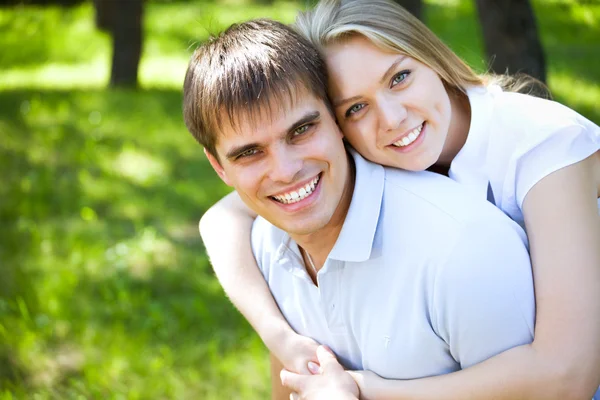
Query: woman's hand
{"points": [[296, 352], [369, 384], [331, 383]]}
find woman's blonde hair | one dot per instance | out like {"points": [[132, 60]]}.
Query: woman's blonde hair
{"points": [[392, 28]]}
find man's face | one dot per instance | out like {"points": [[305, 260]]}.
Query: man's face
{"points": [[289, 166]]}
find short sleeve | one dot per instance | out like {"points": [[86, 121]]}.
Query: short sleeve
{"points": [[484, 301], [555, 149]]}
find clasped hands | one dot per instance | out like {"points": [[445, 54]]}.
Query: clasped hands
{"points": [[328, 380]]}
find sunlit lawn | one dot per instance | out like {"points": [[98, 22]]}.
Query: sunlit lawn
{"points": [[105, 290]]}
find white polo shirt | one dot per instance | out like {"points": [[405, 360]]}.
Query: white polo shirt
{"points": [[514, 141], [423, 280]]}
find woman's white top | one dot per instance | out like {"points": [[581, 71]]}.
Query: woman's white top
{"points": [[514, 141]]}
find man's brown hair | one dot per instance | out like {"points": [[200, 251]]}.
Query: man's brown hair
{"points": [[243, 71]]}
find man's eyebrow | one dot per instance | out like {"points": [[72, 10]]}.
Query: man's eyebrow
{"points": [[384, 77], [308, 117], [236, 151]]}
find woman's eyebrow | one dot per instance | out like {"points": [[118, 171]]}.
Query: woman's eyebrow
{"points": [[391, 69], [338, 103], [385, 76]]}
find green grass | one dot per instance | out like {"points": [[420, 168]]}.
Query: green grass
{"points": [[113, 292], [106, 291]]}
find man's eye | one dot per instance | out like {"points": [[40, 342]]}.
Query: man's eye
{"points": [[399, 77], [247, 153], [354, 109], [301, 130]]}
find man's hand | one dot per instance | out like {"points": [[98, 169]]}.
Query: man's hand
{"points": [[332, 383]]}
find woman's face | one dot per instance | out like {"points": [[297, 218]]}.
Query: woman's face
{"points": [[393, 109]]}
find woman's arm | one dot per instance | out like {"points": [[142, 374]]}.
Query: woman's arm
{"points": [[225, 229], [563, 362]]}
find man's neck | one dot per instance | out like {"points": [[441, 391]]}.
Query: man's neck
{"points": [[318, 244]]}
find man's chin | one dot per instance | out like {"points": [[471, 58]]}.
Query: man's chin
{"points": [[299, 227]]}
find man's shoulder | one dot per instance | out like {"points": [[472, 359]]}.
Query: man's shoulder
{"points": [[433, 196], [426, 205]]}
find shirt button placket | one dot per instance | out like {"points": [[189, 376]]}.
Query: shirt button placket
{"points": [[334, 317]]}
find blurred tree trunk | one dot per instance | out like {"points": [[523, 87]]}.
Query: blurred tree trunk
{"points": [[415, 7], [105, 11], [127, 42], [511, 38]]}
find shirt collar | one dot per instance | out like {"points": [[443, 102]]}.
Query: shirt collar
{"points": [[355, 241], [469, 165]]}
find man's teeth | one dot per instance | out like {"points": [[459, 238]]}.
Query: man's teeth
{"points": [[296, 196], [411, 137]]}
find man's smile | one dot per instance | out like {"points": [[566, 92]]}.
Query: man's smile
{"points": [[299, 193]]}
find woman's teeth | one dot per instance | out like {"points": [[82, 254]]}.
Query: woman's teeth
{"points": [[297, 195], [411, 137]]}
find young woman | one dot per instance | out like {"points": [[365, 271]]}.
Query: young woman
{"points": [[403, 99]]}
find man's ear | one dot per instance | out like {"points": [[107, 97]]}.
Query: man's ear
{"points": [[217, 167]]}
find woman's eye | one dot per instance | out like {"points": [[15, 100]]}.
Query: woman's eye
{"points": [[354, 109], [399, 77]]}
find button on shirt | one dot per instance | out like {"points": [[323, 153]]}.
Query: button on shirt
{"points": [[424, 278]]}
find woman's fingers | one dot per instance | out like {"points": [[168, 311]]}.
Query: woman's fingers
{"points": [[292, 381]]}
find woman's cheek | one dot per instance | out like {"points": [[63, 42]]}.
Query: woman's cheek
{"points": [[352, 135]]}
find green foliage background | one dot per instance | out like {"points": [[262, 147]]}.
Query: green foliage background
{"points": [[105, 289]]}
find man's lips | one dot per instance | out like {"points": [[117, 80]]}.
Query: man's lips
{"points": [[299, 193]]}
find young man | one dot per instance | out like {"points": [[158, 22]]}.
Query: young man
{"points": [[399, 273]]}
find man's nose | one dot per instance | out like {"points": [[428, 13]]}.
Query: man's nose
{"points": [[285, 164]]}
